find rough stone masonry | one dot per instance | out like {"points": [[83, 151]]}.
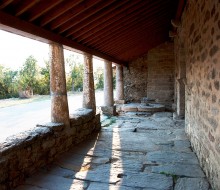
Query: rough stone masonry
{"points": [[199, 38]]}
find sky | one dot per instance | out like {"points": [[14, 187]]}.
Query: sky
{"points": [[15, 49]]}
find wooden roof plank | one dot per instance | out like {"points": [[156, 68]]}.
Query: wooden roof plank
{"points": [[42, 8], [55, 13], [117, 44], [24, 6], [131, 42], [104, 20], [115, 26], [120, 29], [20, 27], [67, 16], [84, 15], [5, 3]]}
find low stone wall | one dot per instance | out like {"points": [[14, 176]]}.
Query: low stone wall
{"points": [[23, 154]]}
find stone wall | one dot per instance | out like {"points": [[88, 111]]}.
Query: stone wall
{"points": [[135, 80], [161, 74], [23, 154], [151, 76], [199, 35]]}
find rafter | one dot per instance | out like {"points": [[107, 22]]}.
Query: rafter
{"points": [[17, 26]]}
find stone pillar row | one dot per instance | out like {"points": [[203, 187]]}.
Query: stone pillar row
{"points": [[59, 103]]}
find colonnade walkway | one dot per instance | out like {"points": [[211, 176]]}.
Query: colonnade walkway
{"points": [[141, 152]]}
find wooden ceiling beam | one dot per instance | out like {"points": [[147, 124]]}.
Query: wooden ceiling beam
{"points": [[131, 42], [42, 8], [24, 6], [98, 8], [119, 31], [5, 3], [126, 16], [142, 49], [14, 25], [180, 8], [96, 18], [72, 13], [134, 18], [55, 13], [122, 41], [119, 13]]}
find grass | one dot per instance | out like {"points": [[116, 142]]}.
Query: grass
{"points": [[175, 177], [16, 101]]}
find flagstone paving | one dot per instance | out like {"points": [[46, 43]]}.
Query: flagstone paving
{"points": [[132, 151]]}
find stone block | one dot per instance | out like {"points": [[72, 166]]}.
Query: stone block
{"points": [[187, 170], [120, 101], [148, 181], [130, 107], [192, 184], [81, 115], [151, 108], [54, 126], [109, 110]]}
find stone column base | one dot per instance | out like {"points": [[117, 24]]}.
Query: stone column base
{"points": [[178, 117], [120, 102], [109, 110]]}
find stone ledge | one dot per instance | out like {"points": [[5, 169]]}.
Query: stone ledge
{"points": [[26, 152], [136, 107], [80, 116], [52, 125]]}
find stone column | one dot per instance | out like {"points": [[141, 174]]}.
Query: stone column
{"points": [[59, 103], [119, 85], [180, 81], [88, 84], [108, 108]]}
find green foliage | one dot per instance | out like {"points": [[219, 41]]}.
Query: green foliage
{"points": [[28, 75], [99, 78], [8, 83], [114, 78], [75, 76], [175, 177], [44, 80]]}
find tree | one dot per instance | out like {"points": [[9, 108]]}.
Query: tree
{"points": [[28, 75], [44, 80], [75, 75], [99, 78], [8, 83]]}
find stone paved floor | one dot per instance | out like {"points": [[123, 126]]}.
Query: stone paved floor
{"points": [[131, 152]]}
